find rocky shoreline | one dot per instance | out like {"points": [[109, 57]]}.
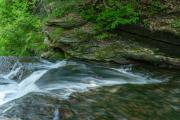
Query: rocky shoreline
{"points": [[75, 38]]}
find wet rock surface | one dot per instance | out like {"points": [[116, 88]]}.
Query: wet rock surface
{"points": [[7, 63], [131, 102], [35, 106]]}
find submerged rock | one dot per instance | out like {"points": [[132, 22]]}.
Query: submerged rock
{"points": [[36, 106]]}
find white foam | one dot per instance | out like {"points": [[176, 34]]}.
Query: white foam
{"points": [[56, 114], [14, 90]]}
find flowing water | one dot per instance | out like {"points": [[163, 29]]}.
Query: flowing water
{"points": [[35, 89]]}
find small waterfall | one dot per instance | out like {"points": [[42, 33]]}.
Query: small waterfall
{"points": [[15, 72], [27, 85], [56, 114], [14, 90]]}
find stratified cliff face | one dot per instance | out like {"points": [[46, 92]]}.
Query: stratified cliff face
{"points": [[160, 23], [156, 39]]}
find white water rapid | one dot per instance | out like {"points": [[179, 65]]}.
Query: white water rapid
{"points": [[64, 78]]}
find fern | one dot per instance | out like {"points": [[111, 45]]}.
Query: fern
{"points": [[111, 18], [19, 29], [114, 18]]}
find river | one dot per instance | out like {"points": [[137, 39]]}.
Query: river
{"points": [[38, 89]]}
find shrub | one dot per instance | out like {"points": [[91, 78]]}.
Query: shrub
{"points": [[20, 31], [110, 18], [62, 7]]}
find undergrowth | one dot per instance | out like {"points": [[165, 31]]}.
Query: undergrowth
{"points": [[20, 31]]}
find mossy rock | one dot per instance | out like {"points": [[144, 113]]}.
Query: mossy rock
{"points": [[70, 21], [53, 55]]}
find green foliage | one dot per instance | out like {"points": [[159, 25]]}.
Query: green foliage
{"points": [[89, 14], [154, 7], [110, 18], [176, 25], [19, 30], [56, 33], [62, 7], [103, 36]]}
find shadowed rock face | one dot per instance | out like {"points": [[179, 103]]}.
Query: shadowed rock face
{"points": [[164, 37], [122, 49]]}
